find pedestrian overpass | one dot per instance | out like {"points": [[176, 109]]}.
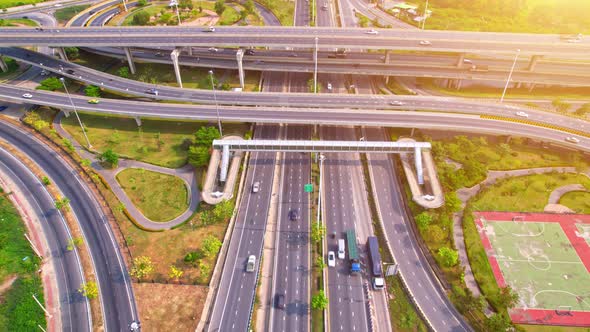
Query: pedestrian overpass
{"points": [[227, 145]]}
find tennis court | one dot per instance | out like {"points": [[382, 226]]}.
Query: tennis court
{"points": [[545, 258]]}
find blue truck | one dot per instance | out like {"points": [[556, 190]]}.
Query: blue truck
{"points": [[353, 254], [376, 267]]}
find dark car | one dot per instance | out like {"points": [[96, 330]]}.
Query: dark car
{"points": [[70, 71], [294, 214], [280, 301], [2, 108], [152, 91], [249, 52]]}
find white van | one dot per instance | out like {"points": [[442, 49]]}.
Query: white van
{"points": [[341, 249]]}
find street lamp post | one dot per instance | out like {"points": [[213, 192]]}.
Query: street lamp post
{"points": [[322, 158], [424, 18], [63, 82], [177, 13], [509, 76], [315, 70], [216, 105]]}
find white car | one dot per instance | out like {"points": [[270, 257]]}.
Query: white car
{"points": [[396, 103], [210, 29], [331, 259], [428, 197], [28, 96], [213, 49], [572, 140], [256, 187], [372, 32], [330, 86], [217, 194], [425, 42], [522, 114], [574, 40], [467, 61], [251, 264]]}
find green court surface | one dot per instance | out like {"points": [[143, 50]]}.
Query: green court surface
{"points": [[538, 261], [584, 231]]}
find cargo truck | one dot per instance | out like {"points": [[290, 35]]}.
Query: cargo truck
{"points": [[375, 258], [353, 255]]}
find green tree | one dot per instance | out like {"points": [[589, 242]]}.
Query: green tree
{"points": [[507, 298], [141, 3], [185, 4], [198, 155], [448, 256], [68, 144], [583, 110], [123, 72], [109, 157], [408, 319], [72, 53], [142, 267], [204, 270], [75, 242], [452, 202], [50, 84], [423, 220], [497, 322], [211, 246], [243, 14], [63, 203], [560, 105], [319, 301], [223, 211], [219, 7], [310, 86], [141, 18], [45, 181], [249, 6], [205, 135], [175, 272], [318, 231], [89, 290], [92, 91], [319, 263]]}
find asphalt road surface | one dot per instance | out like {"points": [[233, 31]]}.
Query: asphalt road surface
{"points": [[74, 308], [117, 298]]}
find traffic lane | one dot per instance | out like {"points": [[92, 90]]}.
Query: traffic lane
{"points": [[346, 294], [413, 265], [114, 283], [328, 31], [235, 298], [82, 19], [73, 306]]}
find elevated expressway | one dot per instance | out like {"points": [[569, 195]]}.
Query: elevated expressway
{"points": [[366, 117], [302, 37]]}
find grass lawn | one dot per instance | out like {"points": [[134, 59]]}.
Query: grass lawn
{"points": [[156, 142], [524, 193], [160, 197], [170, 247], [18, 310], [15, 22], [15, 3], [152, 10], [283, 9], [65, 14], [578, 201], [169, 307], [228, 17], [12, 69]]}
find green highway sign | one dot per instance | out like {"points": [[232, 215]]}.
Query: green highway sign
{"points": [[308, 188]]}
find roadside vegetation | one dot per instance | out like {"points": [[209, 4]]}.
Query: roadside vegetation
{"points": [[159, 197], [578, 201], [534, 16], [65, 14], [12, 69], [463, 161], [18, 273], [15, 3], [15, 22], [188, 11], [284, 10]]}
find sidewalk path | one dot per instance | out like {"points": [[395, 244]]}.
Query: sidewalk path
{"points": [[186, 173]]}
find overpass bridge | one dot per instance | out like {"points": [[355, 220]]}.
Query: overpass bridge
{"points": [[320, 146]]}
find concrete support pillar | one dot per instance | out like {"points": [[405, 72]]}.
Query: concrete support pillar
{"points": [[387, 79], [239, 57], [62, 54], [224, 163], [3, 65], [531, 87], [518, 85], [66, 113], [460, 60], [138, 121], [174, 55], [458, 85], [533, 63], [418, 163], [387, 56], [130, 59], [412, 132]]}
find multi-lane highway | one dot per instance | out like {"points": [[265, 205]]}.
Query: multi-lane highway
{"points": [[235, 295], [299, 37], [116, 294], [73, 307]]}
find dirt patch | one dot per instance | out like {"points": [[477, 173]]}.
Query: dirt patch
{"points": [[210, 19], [169, 307], [6, 284]]}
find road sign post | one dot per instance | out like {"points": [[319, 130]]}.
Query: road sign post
{"points": [[308, 188]]}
